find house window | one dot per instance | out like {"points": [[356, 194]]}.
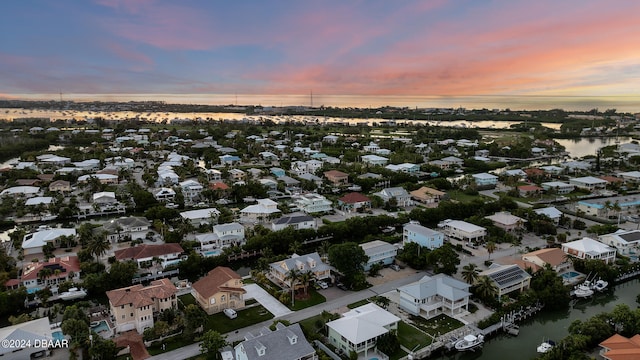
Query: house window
{"points": [[223, 298]]}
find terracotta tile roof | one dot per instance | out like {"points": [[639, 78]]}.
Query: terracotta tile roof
{"points": [[65, 264], [27, 182], [148, 251], [621, 348], [335, 174], [353, 198], [553, 256], [108, 171], [136, 346], [612, 179], [534, 172], [218, 186], [139, 295], [214, 281]]}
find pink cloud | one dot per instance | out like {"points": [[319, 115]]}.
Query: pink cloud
{"points": [[140, 60]]}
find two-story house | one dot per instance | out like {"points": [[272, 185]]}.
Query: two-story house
{"points": [[134, 307], [279, 270], [220, 289], [413, 232]]}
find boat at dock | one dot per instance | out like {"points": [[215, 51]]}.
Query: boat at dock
{"points": [[583, 290], [600, 285], [512, 329], [469, 342], [72, 294], [545, 346]]}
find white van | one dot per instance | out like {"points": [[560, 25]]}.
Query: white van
{"points": [[231, 314]]}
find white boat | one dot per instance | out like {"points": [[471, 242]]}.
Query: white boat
{"points": [[583, 290], [545, 346], [72, 293], [469, 342], [600, 285]]}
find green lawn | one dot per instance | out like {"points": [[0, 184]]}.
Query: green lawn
{"points": [[170, 344], [459, 196], [222, 324], [185, 300], [438, 325], [411, 338], [314, 299]]}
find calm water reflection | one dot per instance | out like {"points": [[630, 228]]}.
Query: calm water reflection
{"points": [[551, 325]]}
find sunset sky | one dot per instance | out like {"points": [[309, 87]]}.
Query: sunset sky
{"points": [[440, 47]]}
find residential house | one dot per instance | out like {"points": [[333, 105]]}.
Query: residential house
{"points": [[550, 212], [337, 177], [413, 232], [626, 242], [399, 194], [630, 176], [60, 269], [506, 221], [277, 172], [354, 202], [285, 342], [60, 186], [428, 196], [237, 175], [223, 236], [404, 167], [297, 222], [379, 252], [29, 333], [261, 212], [463, 230], [448, 162], [220, 289], [359, 329], [331, 139], [229, 160], [191, 189], [587, 248], [105, 179], [529, 190], [431, 296], [554, 257], [312, 203], [165, 194], [507, 278], [302, 263], [127, 228], [559, 187], [134, 307], [200, 217], [374, 160], [25, 191], [485, 180], [104, 198], [618, 347], [589, 183], [33, 243], [167, 177], [147, 255]]}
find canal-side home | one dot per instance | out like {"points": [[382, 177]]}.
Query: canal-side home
{"points": [[431, 296]]}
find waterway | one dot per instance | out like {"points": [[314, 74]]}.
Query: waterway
{"points": [[589, 146], [550, 325]]}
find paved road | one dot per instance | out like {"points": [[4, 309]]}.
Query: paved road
{"points": [[349, 297]]}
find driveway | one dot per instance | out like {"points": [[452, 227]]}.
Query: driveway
{"points": [[265, 299]]}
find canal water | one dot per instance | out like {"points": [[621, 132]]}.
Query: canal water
{"points": [[550, 325]]}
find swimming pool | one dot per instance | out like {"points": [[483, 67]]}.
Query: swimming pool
{"points": [[211, 253], [57, 335], [570, 275], [102, 326], [374, 358]]}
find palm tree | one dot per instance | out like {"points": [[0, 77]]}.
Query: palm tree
{"points": [[470, 273], [292, 276], [44, 274], [616, 207], [305, 278], [486, 288], [98, 246], [491, 247]]}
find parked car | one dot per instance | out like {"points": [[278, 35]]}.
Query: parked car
{"points": [[230, 313], [395, 267], [322, 285], [341, 286]]}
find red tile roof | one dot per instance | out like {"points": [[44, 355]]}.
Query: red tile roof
{"points": [[148, 251], [66, 264], [529, 188], [218, 186], [620, 348], [214, 281], [353, 198], [139, 295], [335, 173]]}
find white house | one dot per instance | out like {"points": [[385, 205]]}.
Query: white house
{"points": [[201, 216], [626, 242], [131, 228], [551, 212], [374, 160], [312, 203], [165, 194], [431, 296], [558, 186], [401, 196], [589, 183], [33, 243], [285, 342], [297, 222], [222, 236], [260, 212], [587, 248], [359, 329], [463, 230], [191, 189]]}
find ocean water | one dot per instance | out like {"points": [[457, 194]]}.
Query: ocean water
{"points": [[514, 102]]}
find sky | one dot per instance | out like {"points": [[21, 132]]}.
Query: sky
{"points": [[338, 47]]}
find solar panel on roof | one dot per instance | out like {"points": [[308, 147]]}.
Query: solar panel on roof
{"points": [[507, 276]]}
